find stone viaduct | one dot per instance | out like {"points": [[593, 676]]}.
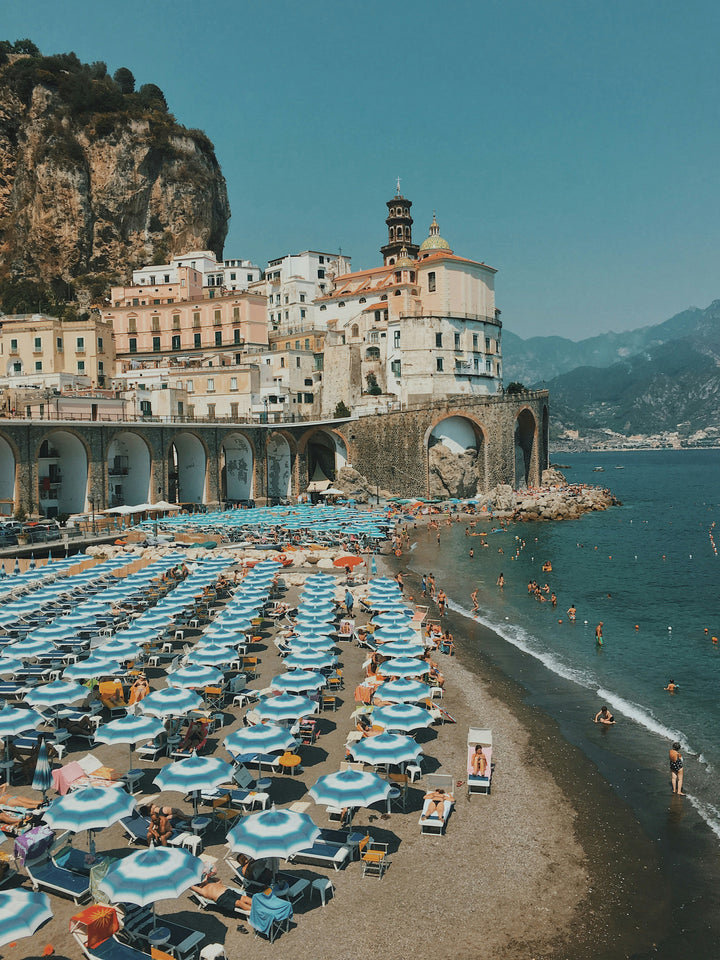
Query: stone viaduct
{"points": [[63, 466]]}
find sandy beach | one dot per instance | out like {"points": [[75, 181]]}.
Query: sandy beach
{"points": [[550, 865]]}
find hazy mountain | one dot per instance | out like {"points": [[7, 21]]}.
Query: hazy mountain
{"points": [[658, 379]]}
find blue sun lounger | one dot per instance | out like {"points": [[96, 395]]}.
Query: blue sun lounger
{"points": [[46, 875]]}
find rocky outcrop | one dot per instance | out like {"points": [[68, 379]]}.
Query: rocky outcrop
{"points": [[94, 182], [452, 474], [552, 502]]}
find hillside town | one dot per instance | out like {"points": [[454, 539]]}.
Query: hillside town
{"points": [[307, 338]]}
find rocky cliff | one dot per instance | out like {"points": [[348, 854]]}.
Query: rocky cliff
{"points": [[96, 179]]}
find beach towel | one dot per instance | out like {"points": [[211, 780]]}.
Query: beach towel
{"points": [[267, 908], [33, 844], [63, 777]]}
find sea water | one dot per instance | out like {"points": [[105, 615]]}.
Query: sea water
{"points": [[649, 570]]}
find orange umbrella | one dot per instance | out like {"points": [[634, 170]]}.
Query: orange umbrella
{"points": [[348, 561]]}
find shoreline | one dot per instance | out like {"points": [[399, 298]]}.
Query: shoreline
{"points": [[619, 859]]}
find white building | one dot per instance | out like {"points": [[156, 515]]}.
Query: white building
{"points": [[225, 274], [294, 282]]}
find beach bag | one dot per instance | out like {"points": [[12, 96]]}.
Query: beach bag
{"points": [[33, 844]]}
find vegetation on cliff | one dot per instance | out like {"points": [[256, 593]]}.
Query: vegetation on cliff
{"points": [[96, 177]]}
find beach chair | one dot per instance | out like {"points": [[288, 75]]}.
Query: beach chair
{"points": [[243, 798], [112, 696], [431, 823], [477, 782], [183, 943], [90, 931], [156, 748], [374, 858], [320, 854], [46, 875]]}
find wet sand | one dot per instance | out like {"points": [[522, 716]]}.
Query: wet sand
{"points": [[550, 865]]}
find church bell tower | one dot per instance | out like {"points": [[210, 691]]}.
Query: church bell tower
{"points": [[399, 223]]}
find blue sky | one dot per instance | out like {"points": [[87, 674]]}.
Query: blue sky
{"points": [[570, 144]]}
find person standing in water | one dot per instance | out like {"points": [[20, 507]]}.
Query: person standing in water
{"points": [[572, 612], [598, 634], [676, 769]]}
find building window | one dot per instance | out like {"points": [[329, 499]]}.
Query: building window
{"points": [[302, 314], [59, 344], [374, 336], [308, 398], [396, 339], [307, 344], [176, 321], [233, 383], [297, 361], [211, 385], [156, 344], [236, 314], [457, 341], [38, 344], [234, 411], [488, 366], [100, 345], [282, 361], [155, 323], [487, 345], [302, 298], [396, 368], [80, 344], [81, 366], [211, 411], [323, 306], [439, 364], [217, 318], [321, 274], [475, 341], [236, 336], [431, 282], [197, 340], [196, 320], [218, 338], [133, 345], [438, 340], [176, 342], [233, 277], [132, 325], [373, 353], [38, 366], [190, 386], [101, 367], [135, 302], [13, 346]]}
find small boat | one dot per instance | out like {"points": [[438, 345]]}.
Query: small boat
{"points": [[618, 467], [598, 469]]}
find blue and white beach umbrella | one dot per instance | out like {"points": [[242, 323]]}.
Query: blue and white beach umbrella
{"points": [[350, 788], [22, 912], [192, 774], [130, 729], [399, 648], [273, 833], [91, 809], [119, 649], [55, 694], [96, 665], [29, 649], [14, 722], [386, 748], [261, 738], [311, 644], [397, 632], [312, 660], [8, 666], [212, 655], [403, 691], [298, 681], [285, 707], [161, 873], [403, 667], [402, 716], [195, 675], [170, 702]]}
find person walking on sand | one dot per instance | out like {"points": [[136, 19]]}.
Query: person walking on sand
{"points": [[572, 612], [676, 769], [598, 634]]}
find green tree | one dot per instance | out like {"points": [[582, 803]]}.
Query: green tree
{"points": [[516, 387], [341, 411], [373, 387], [26, 46], [125, 80], [152, 96]]}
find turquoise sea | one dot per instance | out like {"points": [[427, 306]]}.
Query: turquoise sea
{"points": [[648, 569]]}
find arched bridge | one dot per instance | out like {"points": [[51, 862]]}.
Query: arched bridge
{"points": [[63, 467]]}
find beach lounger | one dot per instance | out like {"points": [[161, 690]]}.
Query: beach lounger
{"points": [[482, 739], [323, 855], [205, 904], [45, 875], [136, 828], [113, 949], [432, 824], [156, 748], [183, 943], [374, 858]]}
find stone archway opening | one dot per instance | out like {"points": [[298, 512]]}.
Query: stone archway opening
{"points": [[524, 448], [187, 468], [326, 455], [236, 472], [62, 475], [128, 466], [279, 467], [7, 478], [456, 459]]}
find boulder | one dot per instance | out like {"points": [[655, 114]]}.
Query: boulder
{"points": [[452, 474]]}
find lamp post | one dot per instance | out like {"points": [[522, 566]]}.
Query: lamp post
{"points": [[92, 505]]}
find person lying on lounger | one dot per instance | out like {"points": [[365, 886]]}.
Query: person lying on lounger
{"points": [[436, 805], [79, 727], [224, 897], [254, 870], [195, 736], [478, 762]]}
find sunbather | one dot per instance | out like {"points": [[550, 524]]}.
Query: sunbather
{"points": [[195, 736], [436, 805], [364, 725], [254, 870], [224, 897], [478, 762], [139, 689], [79, 727], [160, 829]]}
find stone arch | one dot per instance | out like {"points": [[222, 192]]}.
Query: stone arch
{"points": [[279, 465], [129, 467], [8, 471], [187, 469], [525, 448], [62, 471], [457, 453], [326, 452], [237, 459]]}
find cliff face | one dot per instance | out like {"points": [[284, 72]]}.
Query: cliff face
{"points": [[97, 188]]}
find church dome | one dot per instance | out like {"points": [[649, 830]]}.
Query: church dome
{"points": [[434, 241], [404, 260]]}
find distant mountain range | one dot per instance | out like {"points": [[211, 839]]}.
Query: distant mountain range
{"points": [[652, 381]]}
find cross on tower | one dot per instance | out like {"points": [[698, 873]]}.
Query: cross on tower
{"points": [[398, 186]]}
